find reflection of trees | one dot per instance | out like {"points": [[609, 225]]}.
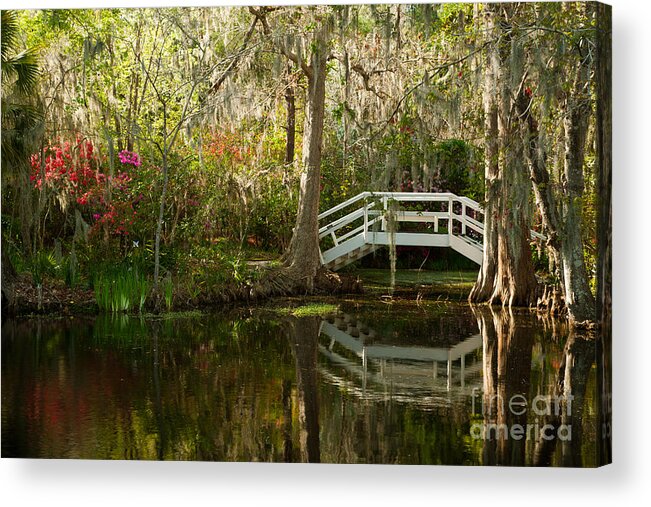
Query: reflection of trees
{"points": [[248, 389], [570, 385], [303, 334], [132, 389], [288, 447], [158, 403], [604, 385], [508, 372]]}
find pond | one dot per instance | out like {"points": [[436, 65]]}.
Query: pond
{"points": [[371, 382]]}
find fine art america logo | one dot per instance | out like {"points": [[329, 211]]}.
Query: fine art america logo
{"points": [[510, 418]]}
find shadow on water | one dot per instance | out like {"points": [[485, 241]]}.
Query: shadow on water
{"points": [[369, 383]]}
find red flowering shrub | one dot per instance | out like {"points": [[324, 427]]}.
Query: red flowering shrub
{"points": [[228, 146], [68, 169], [76, 172]]}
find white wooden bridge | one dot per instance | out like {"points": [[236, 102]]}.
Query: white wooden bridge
{"points": [[358, 226]]}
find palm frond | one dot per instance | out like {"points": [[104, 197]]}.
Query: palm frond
{"points": [[24, 68], [8, 32]]}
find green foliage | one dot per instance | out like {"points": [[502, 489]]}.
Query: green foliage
{"points": [[540, 258], [20, 69], [168, 291], [402, 127], [121, 289], [416, 162], [71, 270], [42, 265], [309, 310], [458, 171]]}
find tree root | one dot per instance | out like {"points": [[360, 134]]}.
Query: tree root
{"points": [[551, 301], [286, 281]]}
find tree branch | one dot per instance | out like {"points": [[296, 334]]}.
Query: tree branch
{"points": [[434, 70], [365, 75], [261, 14], [236, 59]]}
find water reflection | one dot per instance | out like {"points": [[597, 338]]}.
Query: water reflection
{"points": [[525, 420], [369, 384], [380, 368], [304, 335]]}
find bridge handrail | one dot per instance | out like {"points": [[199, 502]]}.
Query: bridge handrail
{"points": [[332, 227], [461, 224], [403, 196], [343, 205], [341, 222]]}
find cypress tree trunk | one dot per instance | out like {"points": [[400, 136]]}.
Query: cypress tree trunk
{"points": [[542, 184], [578, 297], [515, 282], [562, 223], [604, 230], [483, 288], [507, 275]]}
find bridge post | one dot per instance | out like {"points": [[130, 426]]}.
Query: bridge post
{"points": [[365, 221], [450, 215], [463, 218], [385, 206]]}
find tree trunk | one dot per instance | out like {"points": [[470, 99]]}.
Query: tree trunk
{"points": [[604, 230], [542, 185], [303, 257], [290, 103], [562, 224], [507, 275], [159, 229], [578, 297], [483, 288], [515, 282]]}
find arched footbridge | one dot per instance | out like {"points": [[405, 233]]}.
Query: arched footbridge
{"points": [[360, 225]]}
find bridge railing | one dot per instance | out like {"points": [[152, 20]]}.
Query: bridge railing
{"points": [[368, 212]]}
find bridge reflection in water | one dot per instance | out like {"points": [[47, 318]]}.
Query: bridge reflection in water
{"points": [[474, 380], [375, 367]]}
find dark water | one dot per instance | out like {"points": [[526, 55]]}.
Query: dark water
{"points": [[373, 383]]}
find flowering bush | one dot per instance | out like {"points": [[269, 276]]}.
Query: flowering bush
{"points": [[75, 172], [70, 170], [129, 158], [228, 146]]}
